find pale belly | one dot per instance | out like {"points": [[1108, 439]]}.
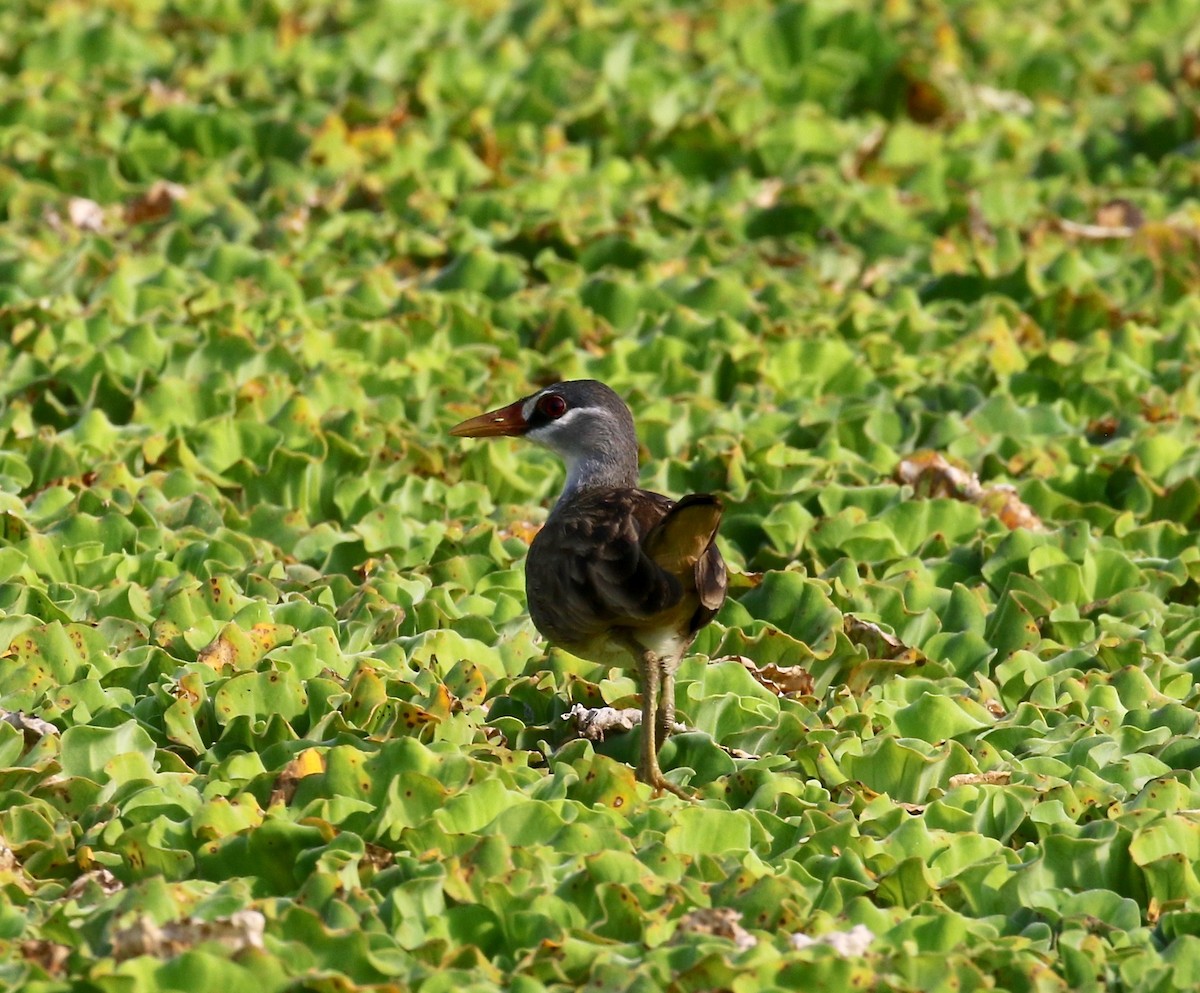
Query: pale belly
{"points": [[622, 648]]}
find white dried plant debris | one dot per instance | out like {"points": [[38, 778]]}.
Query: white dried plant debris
{"points": [[593, 723], [241, 930], [85, 214], [1002, 101], [27, 723], [848, 944], [107, 882]]}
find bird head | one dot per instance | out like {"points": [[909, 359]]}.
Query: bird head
{"points": [[582, 421]]}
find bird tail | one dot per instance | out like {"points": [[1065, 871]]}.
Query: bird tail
{"points": [[684, 535]]}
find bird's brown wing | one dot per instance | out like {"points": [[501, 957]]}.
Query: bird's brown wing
{"points": [[684, 544], [619, 557], [587, 570], [712, 580]]}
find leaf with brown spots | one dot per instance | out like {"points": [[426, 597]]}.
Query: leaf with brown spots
{"points": [[241, 649], [229, 649], [186, 721], [438, 702], [604, 781], [264, 636], [367, 694], [222, 595], [409, 719], [467, 683]]}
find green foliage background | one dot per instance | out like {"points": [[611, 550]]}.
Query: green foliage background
{"points": [[805, 240]]}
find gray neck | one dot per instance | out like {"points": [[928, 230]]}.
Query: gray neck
{"points": [[595, 471]]}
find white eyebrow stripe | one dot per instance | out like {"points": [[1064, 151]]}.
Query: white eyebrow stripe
{"points": [[570, 416], [563, 423]]}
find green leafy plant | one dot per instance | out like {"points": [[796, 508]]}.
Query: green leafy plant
{"points": [[911, 287]]}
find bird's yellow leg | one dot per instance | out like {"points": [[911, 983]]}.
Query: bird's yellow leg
{"points": [[664, 718], [648, 770]]}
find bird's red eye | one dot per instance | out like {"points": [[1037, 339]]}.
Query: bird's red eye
{"points": [[552, 405]]}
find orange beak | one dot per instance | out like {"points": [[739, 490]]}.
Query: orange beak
{"points": [[495, 423]]}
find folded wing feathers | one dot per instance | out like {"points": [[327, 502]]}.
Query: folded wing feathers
{"points": [[633, 576], [679, 540]]}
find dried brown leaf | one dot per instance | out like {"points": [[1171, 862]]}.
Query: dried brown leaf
{"points": [[376, 857], [878, 643], [308, 763], [1095, 232], [1001, 501], [107, 882], [1120, 213], [1103, 428], [724, 922], [931, 474], [924, 101], [33, 728], [50, 956], [782, 680], [1157, 409], [997, 777], [1189, 70], [218, 653], [155, 203]]}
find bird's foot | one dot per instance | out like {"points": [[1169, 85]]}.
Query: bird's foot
{"points": [[689, 795], [654, 778]]}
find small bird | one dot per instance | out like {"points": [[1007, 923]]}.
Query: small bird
{"points": [[617, 574]]}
